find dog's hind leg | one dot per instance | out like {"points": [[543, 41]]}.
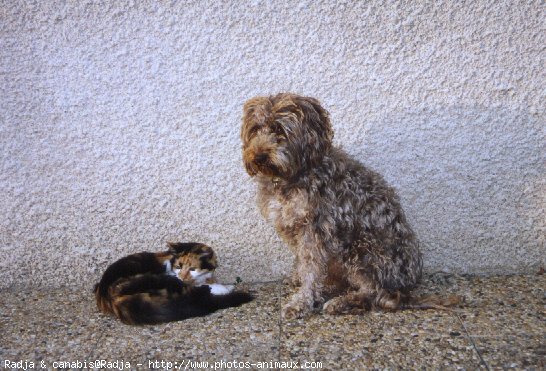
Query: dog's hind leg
{"points": [[348, 303], [360, 298]]}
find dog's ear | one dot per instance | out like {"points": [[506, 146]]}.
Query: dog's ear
{"points": [[256, 113], [316, 117]]}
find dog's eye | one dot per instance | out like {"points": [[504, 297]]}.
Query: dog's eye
{"points": [[253, 131], [277, 129]]}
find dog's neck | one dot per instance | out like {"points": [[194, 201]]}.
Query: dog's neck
{"points": [[268, 182], [301, 177], [279, 184]]}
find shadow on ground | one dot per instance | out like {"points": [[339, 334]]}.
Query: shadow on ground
{"points": [[502, 325]]}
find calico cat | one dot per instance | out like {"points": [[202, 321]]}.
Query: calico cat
{"points": [[148, 288]]}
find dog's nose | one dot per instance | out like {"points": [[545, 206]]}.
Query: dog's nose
{"points": [[260, 158]]}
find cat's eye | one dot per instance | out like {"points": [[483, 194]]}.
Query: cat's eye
{"points": [[192, 269], [177, 267]]}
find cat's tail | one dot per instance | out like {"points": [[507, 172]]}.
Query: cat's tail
{"points": [[144, 308], [102, 298]]}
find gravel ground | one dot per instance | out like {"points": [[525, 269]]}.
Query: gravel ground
{"points": [[501, 325]]}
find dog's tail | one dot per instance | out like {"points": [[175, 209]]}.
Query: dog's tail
{"points": [[399, 300], [431, 302], [168, 299]]}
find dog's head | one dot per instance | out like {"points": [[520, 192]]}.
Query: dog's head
{"points": [[284, 134]]}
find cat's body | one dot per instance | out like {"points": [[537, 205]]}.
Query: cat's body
{"points": [[147, 288]]}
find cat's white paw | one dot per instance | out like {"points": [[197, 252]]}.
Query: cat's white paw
{"points": [[218, 289]]}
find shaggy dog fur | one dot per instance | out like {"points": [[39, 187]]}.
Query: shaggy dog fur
{"points": [[342, 221]]}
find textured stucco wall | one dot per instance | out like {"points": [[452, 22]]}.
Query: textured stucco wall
{"points": [[119, 126]]}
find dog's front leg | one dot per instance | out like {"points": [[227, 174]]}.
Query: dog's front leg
{"points": [[312, 269], [294, 279]]}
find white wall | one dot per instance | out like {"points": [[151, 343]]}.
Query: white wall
{"points": [[119, 126]]}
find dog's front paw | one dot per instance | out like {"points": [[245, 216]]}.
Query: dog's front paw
{"points": [[292, 311], [297, 308], [335, 306]]}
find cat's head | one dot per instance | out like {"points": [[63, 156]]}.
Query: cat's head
{"points": [[193, 261]]}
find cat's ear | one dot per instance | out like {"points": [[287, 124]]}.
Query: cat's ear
{"points": [[207, 254], [205, 251], [181, 247], [208, 258]]}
